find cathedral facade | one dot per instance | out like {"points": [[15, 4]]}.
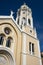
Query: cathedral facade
{"points": [[19, 44]]}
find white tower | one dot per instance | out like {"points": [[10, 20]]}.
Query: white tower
{"points": [[24, 16]]}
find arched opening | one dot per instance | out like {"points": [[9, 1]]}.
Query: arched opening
{"points": [[6, 57], [29, 22], [23, 21], [18, 21], [8, 42], [2, 38]]}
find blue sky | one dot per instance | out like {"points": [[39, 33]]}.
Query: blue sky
{"points": [[37, 11]]}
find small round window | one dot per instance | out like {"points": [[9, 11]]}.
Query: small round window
{"points": [[7, 30]]}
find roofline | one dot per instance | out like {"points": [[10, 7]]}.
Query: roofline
{"points": [[11, 17], [5, 17]]}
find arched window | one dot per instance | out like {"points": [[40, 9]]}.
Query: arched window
{"points": [[24, 18], [18, 21], [29, 21], [24, 21], [1, 38], [8, 42]]}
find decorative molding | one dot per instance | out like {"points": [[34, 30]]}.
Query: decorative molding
{"points": [[9, 51], [11, 17], [29, 35], [5, 17], [30, 55], [24, 49]]}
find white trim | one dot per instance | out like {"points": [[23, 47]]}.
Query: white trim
{"points": [[39, 53], [31, 48], [2, 17], [24, 59], [15, 23], [5, 17], [31, 21], [31, 55], [24, 49]]}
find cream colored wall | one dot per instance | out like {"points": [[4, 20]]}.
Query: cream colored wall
{"points": [[16, 34], [35, 42], [23, 15], [18, 43], [30, 60], [27, 30], [26, 15], [33, 59]]}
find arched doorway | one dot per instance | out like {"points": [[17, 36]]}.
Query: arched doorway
{"points": [[6, 57]]}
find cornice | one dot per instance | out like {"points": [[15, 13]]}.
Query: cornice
{"points": [[11, 17]]}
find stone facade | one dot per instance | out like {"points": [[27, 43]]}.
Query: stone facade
{"points": [[19, 44]]}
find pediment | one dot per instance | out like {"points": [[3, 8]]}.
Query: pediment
{"points": [[9, 20]]}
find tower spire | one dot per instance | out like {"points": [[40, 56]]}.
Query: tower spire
{"points": [[24, 16]]}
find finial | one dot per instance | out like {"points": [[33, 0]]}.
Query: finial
{"points": [[11, 13]]}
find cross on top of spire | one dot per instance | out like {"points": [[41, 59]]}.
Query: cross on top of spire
{"points": [[11, 14]]}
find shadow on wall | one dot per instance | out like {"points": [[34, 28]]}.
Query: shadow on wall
{"points": [[42, 57]]}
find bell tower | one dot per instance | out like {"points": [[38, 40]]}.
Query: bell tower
{"points": [[24, 16]]}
